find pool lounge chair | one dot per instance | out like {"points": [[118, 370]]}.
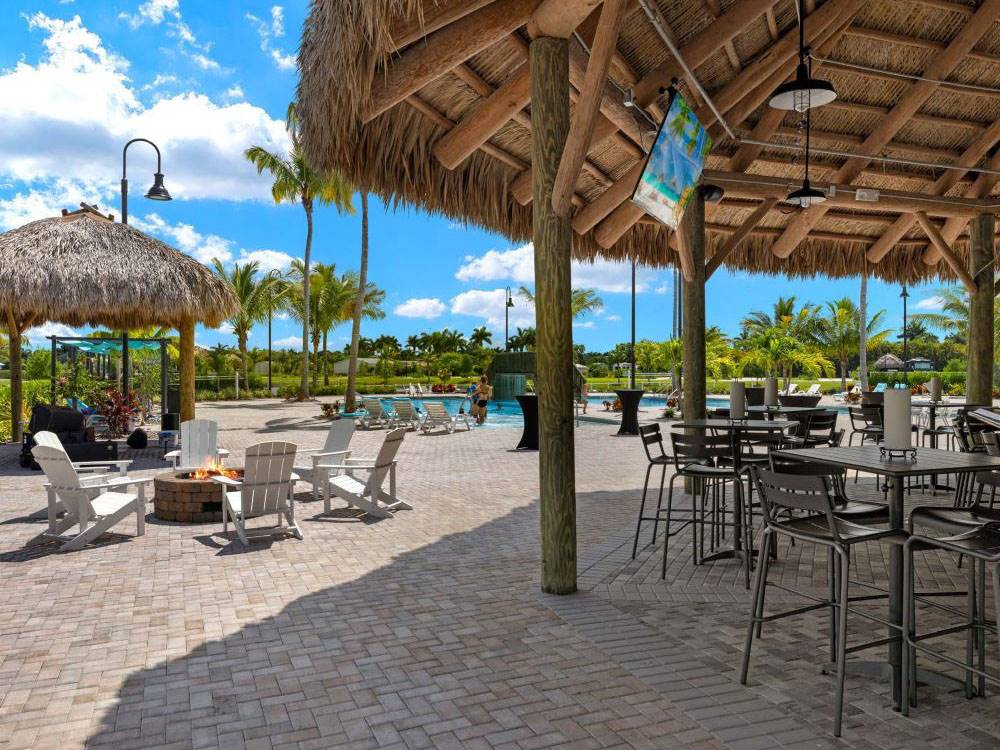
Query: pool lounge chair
{"points": [[792, 389], [438, 417], [879, 388], [375, 414], [406, 414], [814, 390], [368, 495]]}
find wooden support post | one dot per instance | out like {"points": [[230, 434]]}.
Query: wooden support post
{"points": [[186, 331], [692, 236], [14, 332], [549, 59], [979, 382]]}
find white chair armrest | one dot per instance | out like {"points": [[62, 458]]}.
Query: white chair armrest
{"points": [[324, 454], [221, 452], [228, 481], [85, 464], [173, 454], [119, 482], [294, 477], [91, 479]]}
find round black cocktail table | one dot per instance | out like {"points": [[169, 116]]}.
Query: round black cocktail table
{"points": [[630, 410], [529, 435]]}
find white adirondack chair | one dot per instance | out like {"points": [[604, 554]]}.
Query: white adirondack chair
{"points": [[375, 414], [95, 503], [52, 440], [438, 417], [335, 451], [266, 488], [406, 413], [199, 445], [369, 495]]}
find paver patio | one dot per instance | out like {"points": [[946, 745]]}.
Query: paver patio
{"points": [[426, 630]]}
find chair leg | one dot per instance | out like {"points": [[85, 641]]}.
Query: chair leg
{"points": [[642, 509], [845, 564], [970, 633], [756, 608], [907, 652], [831, 573], [765, 563], [980, 625]]}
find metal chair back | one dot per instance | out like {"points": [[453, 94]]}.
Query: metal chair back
{"points": [[651, 435], [781, 492], [699, 449]]}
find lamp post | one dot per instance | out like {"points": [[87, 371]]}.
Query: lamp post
{"points": [[905, 295], [631, 349], [506, 320], [156, 193], [270, 313]]}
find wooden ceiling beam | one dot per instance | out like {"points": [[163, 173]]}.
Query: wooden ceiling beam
{"points": [[891, 77], [588, 107], [715, 9], [907, 105], [747, 226], [820, 137], [912, 41], [559, 18], [942, 246], [772, 24], [954, 227], [970, 157], [438, 15], [443, 50], [619, 221], [592, 214], [874, 109]]}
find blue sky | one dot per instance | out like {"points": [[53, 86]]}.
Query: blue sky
{"points": [[78, 78]]}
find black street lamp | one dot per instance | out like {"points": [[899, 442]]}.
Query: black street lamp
{"points": [[506, 320], [905, 295], [631, 348], [156, 193]]}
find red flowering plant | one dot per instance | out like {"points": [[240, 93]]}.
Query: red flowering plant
{"points": [[117, 409]]}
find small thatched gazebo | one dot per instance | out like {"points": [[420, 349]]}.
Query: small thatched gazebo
{"points": [[888, 362], [83, 268]]}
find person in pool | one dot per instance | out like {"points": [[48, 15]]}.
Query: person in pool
{"points": [[481, 398]]}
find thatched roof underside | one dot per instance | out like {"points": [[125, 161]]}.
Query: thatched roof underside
{"points": [[83, 269], [347, 45]]}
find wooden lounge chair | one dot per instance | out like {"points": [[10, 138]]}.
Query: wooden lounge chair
{"points": [[405, 413], [266, 488], [437, 417], [375, 414], [335, 450], [369, 496], [94, 503], [199, 445]]}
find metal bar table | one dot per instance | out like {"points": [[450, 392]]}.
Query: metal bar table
{"points": [[870, 459]]}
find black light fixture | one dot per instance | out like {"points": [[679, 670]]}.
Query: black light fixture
{"points": [[158, 192], [506, 320], [807, 195], [805, 92], [905, 295]]}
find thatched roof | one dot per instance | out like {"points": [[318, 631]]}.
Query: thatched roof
{"points": [[889, 362], [351, 48], [84, 268]]}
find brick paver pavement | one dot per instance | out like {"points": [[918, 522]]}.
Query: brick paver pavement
{"points": [[426, 630]]}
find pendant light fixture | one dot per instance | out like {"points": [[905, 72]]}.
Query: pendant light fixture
{"points": [[805, 92], [806, 195]]}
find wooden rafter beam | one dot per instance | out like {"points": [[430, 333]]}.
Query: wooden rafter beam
{"points": [[942, 246], [921, 117], [559, 18], [436, 16], [748, 225], [907, 105], [970, 157], [488, 148], [982, 186], [888, 37], [715, 8], [893, 77], [588, 107], [821, 137], [772, 24], [443, 50]]}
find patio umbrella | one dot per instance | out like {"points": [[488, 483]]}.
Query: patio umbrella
{"points": [[83, 268]]}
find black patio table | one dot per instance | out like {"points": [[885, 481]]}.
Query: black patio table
{"points": [[736, 429], [869, 459]]}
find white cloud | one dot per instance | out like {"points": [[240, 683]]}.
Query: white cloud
{"points": [[662, 289], [612, 318], [70, 114], [47, 200], [160, 80], [585, 324], [518, 265], [168, 12], [205, 62], [421, 307], [489, 305], [225, 329], [187, 239], [289, 342], [233, 93], [152, 12], [268, 32], [931, 303], [268, 260], [40, 334]]}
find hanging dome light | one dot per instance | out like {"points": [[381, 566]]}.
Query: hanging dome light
{"points": [[805, 92], [806, 195]]}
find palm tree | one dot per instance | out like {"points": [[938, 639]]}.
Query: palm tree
{"points": [[352, 367], [295, 181], [254, 294], [523, 339], [837, 333], [480, 338], [777, 353], [582, 301]]}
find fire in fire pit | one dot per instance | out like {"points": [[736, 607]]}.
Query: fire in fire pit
{"points": [[191, 496]]}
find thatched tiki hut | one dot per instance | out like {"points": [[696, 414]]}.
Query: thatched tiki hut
{"points": [[83, 268], [533, 118]]}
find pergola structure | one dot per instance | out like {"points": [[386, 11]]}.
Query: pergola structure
{"points": [[533, 118]]}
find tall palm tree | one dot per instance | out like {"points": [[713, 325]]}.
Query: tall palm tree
{"points": [[352, 367], [581, 302], [837, 333], [254, 293], [480, 337], [295, 181], [953, 317]]}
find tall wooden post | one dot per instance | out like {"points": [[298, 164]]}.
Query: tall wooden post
{"points": [[692, 234], [14, 331], [186, 331], [979, 383], [549, 60]]}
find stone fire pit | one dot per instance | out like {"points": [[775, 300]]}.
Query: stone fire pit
{"points": [[189, 496]]}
